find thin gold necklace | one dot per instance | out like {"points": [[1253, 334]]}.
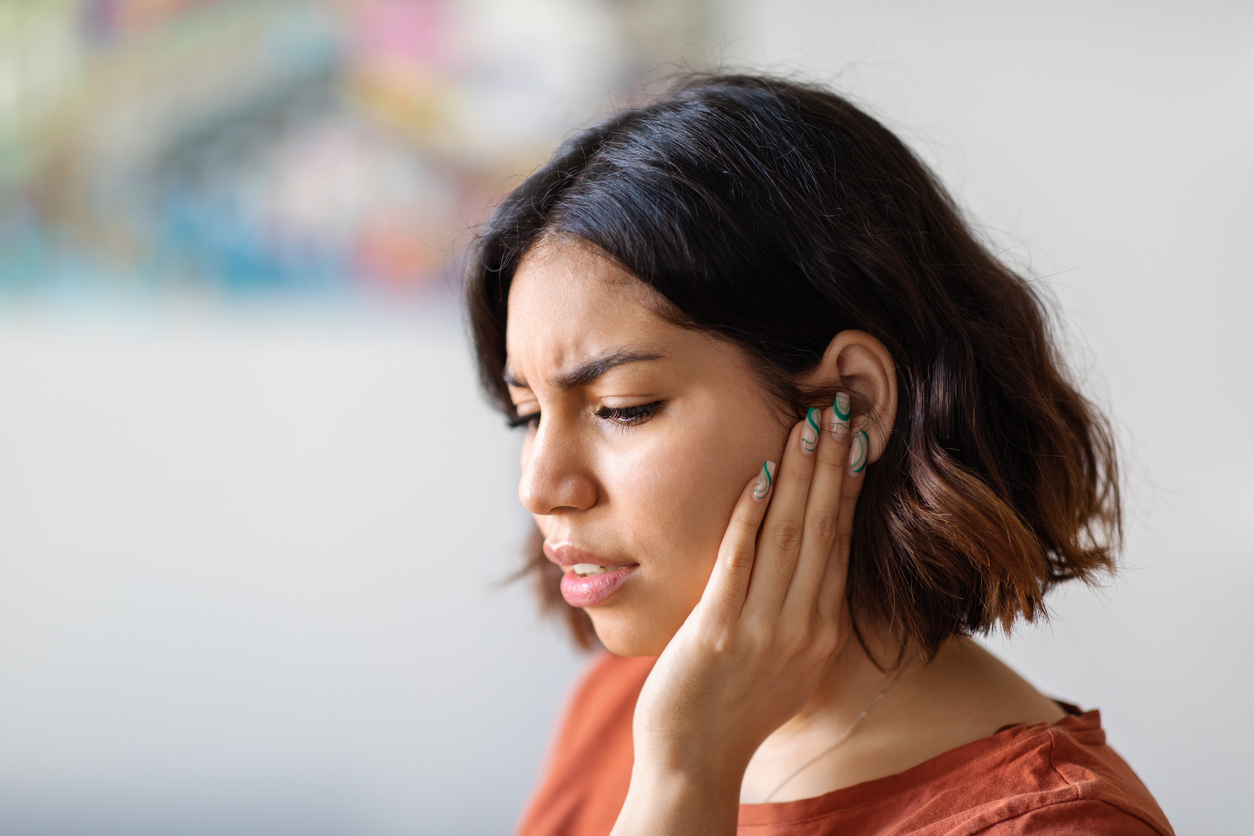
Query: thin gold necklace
{"points": [[843, 737]]}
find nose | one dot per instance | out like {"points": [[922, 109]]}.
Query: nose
{"points": [[556, 475]]}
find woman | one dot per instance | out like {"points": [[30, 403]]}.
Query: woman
{"points": [[792, 436]]}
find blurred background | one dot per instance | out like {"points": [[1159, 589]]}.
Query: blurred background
{"points": [[255, 518]]}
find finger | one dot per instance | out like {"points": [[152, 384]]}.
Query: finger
{"points": [[832, 590], [724, 595], [822, 513], [783, 529]]}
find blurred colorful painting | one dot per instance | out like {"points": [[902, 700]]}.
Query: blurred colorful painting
{"points": [[241, 148]]}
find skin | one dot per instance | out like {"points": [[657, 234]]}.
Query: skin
{"points": [[741, 599], [638, 494]]}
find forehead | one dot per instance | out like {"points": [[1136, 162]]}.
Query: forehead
{"points": [[569, 301]]}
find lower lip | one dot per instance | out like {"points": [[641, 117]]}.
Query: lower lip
{"points": [[593, 590]]}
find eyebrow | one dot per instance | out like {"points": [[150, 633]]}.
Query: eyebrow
{"points": [[589, 371]]}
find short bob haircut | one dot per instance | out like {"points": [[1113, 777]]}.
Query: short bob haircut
{"points": [[776, 214]]}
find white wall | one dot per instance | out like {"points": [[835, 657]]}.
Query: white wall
{"points": [[247, 559], [249, 569]]}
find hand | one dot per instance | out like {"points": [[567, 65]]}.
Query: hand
{"points": [[755, 647]]}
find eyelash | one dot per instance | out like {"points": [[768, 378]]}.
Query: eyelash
{"points": [[629, 416], [530, 420], [626, 416]]}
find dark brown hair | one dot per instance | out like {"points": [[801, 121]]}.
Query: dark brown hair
{"points": [[775, 215]]}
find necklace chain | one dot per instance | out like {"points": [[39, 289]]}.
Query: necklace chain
{"points": [[843, 737]]}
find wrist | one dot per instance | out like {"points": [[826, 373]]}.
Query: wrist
{"points": [[700, 764], [698, 775], [679, 798]]}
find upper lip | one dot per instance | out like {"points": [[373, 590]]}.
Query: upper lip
{"points": [[566, 554]]}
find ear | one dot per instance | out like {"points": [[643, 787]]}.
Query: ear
{"points": [[857, 361]]}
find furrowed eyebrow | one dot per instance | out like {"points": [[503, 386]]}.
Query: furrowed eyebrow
{"points": [[589, 371]]}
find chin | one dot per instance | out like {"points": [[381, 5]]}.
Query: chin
{"points": [[627, 634]]}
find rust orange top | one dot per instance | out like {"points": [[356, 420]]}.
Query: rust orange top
{"points": [[1044, 778]]}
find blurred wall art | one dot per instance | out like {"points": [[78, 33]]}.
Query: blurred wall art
{"points": [[241, 147]]}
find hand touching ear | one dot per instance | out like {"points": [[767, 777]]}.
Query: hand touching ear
{"points": [[859, 363], [756, 646]]}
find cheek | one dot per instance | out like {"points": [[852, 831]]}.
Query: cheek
{"points": [[676, 493]]}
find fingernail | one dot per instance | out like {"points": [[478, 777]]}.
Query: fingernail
{"points": [[763, 486], [840, 405], [858, 451], [810, 432]]}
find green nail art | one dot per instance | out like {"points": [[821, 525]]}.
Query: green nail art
{"points": [[858, 451], [810, 432], [841, 405], [763, 486]]}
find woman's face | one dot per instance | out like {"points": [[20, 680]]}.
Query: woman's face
{"points": [[642, 436]]}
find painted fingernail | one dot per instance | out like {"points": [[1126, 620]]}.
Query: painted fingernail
{"points": [[810, 432], [763, 486], [858, 451], [840, 405]]}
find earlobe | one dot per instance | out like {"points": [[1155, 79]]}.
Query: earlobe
{"points": [[860, 363]]}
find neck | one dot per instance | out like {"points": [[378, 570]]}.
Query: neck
{"points": [[856, 675], [855, 679], [963, 694]]}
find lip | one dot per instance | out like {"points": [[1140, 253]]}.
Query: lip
{"points": [[565, 554], [591, 590]]}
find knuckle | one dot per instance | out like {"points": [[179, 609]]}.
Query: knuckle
{"points": [[800, 475], [788, 535], [741, 533], [744, 520], [754, 637], [738, 558], [794, 643], [835, 453], [825, 639], [828, 608], [722, 642], [823, 524], [763, 639]]}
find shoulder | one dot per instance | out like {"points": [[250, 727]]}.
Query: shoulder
{"points": [[1081, 818], [1062, 778], [1042, 778]]}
